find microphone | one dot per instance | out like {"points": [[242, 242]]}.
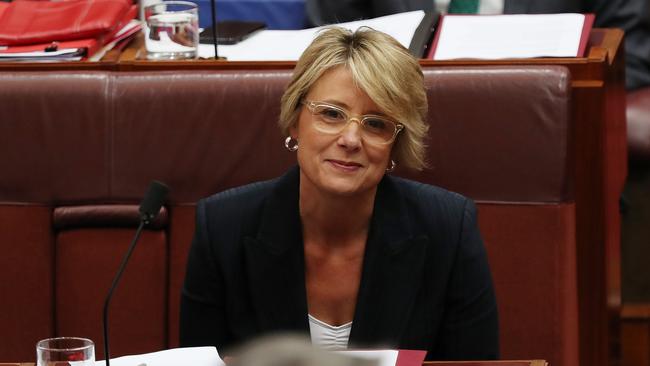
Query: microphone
{"points": [[149, 208], [214, 28]]}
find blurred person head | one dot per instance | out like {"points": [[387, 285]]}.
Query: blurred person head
{"points": [[291, 350]]}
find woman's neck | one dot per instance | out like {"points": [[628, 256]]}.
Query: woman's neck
{"points": [[335, 219]]}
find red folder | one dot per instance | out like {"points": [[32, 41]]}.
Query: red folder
{"points": [[31, 22], [78, 49], [3, 7], [407, 357], [71, 49]]}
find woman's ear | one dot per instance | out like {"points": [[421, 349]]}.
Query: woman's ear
{"points": [[293, 131]]}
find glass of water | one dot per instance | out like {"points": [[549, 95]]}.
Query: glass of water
{"points": [[172, 30], [65, 351]]}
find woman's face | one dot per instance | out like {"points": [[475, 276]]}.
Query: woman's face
{"points": [[343, 163]]}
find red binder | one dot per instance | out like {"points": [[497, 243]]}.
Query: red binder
{"points": [[407, 357], [33, 22], [73, 49]]}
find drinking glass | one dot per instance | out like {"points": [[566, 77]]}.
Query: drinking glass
{"points": [[65, 351], [172, 30]]}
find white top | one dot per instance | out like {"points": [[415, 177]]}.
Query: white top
{"points": [[327, 336]]}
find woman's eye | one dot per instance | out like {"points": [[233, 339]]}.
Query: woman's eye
{"points": [[332, 114], [376, 124]]}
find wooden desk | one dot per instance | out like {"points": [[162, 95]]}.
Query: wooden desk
{"points": [[487, 363], [426, 363], [635, 335]]}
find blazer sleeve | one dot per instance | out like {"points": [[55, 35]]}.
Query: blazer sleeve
{"points": [[203, 313], [470, 323]]}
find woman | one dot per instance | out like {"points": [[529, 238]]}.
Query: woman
{"points": [[336, 247]]}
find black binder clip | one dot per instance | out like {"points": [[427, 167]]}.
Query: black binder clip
{"points": [[52, 47]]}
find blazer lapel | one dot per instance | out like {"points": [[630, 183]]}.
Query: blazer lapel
{"points": [[391, 275], [275, 261]]}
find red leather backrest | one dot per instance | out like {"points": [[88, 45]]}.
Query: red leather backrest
{"points": [[101, 137]]}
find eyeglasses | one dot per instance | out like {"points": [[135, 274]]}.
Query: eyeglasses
{"points": [[332, 119]]}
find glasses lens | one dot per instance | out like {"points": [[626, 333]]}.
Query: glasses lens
{"points": [[332, 119], [329, 118], [377, 129]]}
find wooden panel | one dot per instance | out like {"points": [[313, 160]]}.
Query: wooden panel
{"points": [[635, 335]]}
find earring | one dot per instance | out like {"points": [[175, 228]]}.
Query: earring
{"points": [[291, 144], [392, 166]]}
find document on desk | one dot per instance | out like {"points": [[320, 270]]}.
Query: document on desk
{"points": [[288, 45], [511, 36], [389, 357], [383, 357], [195, 356]]}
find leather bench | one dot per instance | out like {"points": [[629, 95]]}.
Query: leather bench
{"points": [[77, 150]]}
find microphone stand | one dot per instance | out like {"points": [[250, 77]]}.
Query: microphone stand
{"points": [[214, 31], [149, 209], [125, 260]]}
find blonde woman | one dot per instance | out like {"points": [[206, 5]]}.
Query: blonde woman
{"points": [[337, 248]]}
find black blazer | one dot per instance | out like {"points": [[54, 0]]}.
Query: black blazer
{"points": [[425, 281]]}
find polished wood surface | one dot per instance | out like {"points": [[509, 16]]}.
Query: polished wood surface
{"points": [[635, 335], [426, 363]]}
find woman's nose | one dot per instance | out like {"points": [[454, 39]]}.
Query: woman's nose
{"points": [[351, 134]]}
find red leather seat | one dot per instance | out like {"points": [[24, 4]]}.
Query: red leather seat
{"points": [[78, 149]]}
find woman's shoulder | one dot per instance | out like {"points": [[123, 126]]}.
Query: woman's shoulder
{"points": [[426, 194], [245, 203], [433, 208], [240, 195], [238, 199]]}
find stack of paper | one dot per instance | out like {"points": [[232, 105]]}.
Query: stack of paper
{"points": [[511, 36], [195, 356], [208, 356], [288, 45]]}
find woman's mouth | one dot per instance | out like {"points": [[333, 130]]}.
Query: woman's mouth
{"points": [[347, 166]]}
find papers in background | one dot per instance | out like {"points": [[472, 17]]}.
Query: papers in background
{"points": [[288, 45], [194, 356], [384, 357], [509, 36], [123, 35], [67, 54]]}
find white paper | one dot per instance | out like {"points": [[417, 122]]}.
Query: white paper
{"points": [[195, 356], [51, 54], [288, 45], [384, 357], [509, 36]]}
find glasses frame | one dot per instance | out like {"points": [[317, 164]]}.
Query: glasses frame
{"points": [[312, 105]]}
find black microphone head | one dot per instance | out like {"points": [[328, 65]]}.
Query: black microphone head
{"points": [[153, 201]]}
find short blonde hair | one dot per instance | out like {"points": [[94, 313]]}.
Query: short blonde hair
{"points": [[382, 68]]}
